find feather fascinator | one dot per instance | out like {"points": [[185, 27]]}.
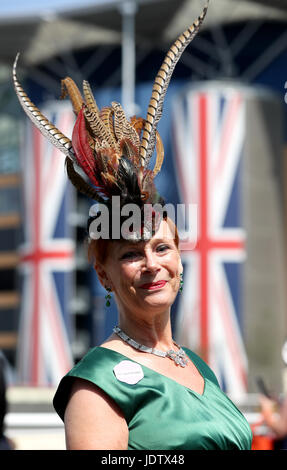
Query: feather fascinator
{"points": [[109, 155]]}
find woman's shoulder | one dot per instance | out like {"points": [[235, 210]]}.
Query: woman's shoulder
{"points": [[94, 369], [98, 360]]}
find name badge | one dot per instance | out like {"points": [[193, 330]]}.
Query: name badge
{"points": [[128, 372]]}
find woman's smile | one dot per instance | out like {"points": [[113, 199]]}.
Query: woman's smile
{"points": [[153, 285]]}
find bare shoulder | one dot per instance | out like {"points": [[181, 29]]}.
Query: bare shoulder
{"points": [[93, 420]]}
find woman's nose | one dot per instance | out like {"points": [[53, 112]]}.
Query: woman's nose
{"points": [[151, 263]]}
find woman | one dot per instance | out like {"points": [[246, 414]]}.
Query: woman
{"points": [[138, 390], [119, 397]]}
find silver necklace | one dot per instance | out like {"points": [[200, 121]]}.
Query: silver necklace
{"points": [[179, 357]]}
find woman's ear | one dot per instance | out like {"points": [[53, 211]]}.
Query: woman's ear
{"points": [[102, 275]]}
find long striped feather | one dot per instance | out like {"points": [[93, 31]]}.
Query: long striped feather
{"points": [[47, 129], [160, 87]]}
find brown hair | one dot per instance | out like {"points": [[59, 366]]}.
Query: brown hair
{"points": [[98, 249]]}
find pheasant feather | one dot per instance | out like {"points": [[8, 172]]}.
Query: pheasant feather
{"points": [[161, 85], [111, 150], [68, 87], [81, 184], [84, 154], [89, 98]]}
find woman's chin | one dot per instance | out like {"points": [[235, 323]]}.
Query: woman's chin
{"points": [[156, 299]]}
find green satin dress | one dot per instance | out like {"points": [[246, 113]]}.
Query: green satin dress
{"points": [[161, 413]]}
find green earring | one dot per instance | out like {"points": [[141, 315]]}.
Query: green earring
{"points": [[180, 282], [108, 297]]}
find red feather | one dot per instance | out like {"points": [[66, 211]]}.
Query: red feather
{"points": [[82, 149]]}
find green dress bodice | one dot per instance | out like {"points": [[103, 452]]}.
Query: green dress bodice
{"points": [[161, 413]]}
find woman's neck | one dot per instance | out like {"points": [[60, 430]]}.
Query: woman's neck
{"points": [[154, 333]]}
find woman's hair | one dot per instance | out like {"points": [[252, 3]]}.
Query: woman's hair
{"points": [[98, 249]]}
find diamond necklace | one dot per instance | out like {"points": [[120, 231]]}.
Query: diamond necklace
{"points": [[179, 357]]}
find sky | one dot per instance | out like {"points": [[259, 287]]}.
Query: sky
{"points": [[18, 8]]}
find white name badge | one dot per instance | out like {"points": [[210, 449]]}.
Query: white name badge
{"points": [[128, 372]]}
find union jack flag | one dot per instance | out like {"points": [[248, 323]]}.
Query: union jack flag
{"points": [[47, 258], [209, 132]]}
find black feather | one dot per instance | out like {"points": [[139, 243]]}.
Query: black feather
{"points": [[80, 183], [128, 181]]}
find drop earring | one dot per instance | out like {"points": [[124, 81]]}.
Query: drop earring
{"points": [[108, 297], [180, 282]]}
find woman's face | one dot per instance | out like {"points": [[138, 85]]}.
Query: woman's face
{"points": [[144, 275]]}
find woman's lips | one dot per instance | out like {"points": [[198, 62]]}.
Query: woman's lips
{"points": [[153, 285]]}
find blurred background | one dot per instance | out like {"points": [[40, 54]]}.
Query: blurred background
{"points": [[224, 132]]}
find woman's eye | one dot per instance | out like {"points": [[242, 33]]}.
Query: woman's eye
{"points": [[129, 255], [162, 248]]}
